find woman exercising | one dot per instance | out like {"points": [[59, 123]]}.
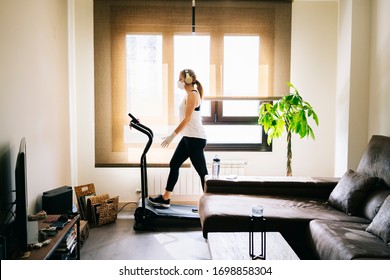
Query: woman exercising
{"points": [[193, 141]]}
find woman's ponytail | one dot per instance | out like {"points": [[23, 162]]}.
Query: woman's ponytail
{"points": [[199, 88]]}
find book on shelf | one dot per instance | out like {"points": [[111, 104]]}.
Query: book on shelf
{"points": [[68, 241], [65, 254]]}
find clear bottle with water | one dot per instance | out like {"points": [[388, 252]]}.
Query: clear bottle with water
{"points": [[216, 167]]}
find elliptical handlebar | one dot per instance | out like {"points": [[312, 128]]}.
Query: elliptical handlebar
{"points": [[143, 129], [149, 133], [133, 119], [139, 126]]}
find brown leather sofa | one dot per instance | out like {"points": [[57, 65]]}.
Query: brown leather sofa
{"points": [[321, 218]]}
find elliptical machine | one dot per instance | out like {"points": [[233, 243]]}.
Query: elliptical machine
{"points": [[146, 214]]}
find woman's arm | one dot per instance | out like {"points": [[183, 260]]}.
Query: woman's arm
{"points": [[191, 104]]}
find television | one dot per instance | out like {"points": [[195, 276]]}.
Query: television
{"points": [[7, 198], [21, 202]]}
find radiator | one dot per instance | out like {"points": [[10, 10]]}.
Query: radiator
{"points": [[188, 184]]}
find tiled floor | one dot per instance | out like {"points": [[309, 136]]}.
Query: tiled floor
{"points": [[118, 241]]}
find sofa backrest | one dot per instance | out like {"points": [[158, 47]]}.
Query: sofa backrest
{"points": [[375, 161], [311, 187]]}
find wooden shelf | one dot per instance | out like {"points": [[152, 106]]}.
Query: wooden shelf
{"points": [[48, 251]]}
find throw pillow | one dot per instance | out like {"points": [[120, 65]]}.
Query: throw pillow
{"points": [[350, 192], [380, 225], [374, 201]]}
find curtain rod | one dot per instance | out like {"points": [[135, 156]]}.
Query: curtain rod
{"points": [[193, 16]]}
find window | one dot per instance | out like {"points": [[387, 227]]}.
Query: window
{"points": [[230, 119], [143, 61], [191, 51], [240, 52], [241, 66], [225, 121]]}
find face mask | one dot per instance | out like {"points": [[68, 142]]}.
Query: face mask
{"points": [[180, 84]]}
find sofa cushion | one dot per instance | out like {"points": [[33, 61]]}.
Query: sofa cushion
{"points": [[224, 212], [350, 192], [380, 225], [334, 240], [374, 201]]}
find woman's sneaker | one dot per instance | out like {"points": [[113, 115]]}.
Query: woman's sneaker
{"points": [[159, 201]]}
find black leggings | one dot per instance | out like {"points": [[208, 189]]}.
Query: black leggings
{"points": [[192, 148]]}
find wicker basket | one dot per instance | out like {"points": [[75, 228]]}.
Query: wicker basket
{"points": [[97, 209], [85, 190], [102, 209], [82, 193], [108, 211]]}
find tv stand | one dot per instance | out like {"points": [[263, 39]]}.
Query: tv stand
{"points": [[52, 250]]}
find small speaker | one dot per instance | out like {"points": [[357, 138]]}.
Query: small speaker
{"points": [[58, 201], [32, 232]]}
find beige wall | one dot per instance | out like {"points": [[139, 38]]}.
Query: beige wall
{"points": [[34, 92]]}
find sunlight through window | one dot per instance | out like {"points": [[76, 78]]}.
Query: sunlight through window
{"points": [[144, 75], [192, 52], [241, 66]]}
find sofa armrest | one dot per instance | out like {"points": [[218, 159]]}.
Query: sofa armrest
{"points": [[316, 187]]}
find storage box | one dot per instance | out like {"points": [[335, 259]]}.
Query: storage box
{"points": [[102, 209], [84, 231], [97, 209], [83, 192]]}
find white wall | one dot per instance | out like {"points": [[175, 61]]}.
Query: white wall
{"points": [[353, 83], [34, 92], [379, 100], [313, 75], [313, 71], [363, 84]]}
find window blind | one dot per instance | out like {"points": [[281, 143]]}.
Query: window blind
{"points": [[113, 19]]}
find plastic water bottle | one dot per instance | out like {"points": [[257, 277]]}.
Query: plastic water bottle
{"points": [[257, 211], [216, 167]]}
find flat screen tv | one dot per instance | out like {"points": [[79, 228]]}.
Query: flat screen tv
{"points": [[21, 201]]}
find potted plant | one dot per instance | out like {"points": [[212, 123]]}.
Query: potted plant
{"points": [[290, 113]]}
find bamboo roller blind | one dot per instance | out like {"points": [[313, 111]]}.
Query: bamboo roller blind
{"points": [[113, 19]]}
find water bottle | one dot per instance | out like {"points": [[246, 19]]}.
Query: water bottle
{"points": [[216, 167]]}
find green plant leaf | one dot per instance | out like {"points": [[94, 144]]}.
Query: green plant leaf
{"points": [[290, 113], [311, 133], [315, 118], [288, 98], [294, 100], [268, 107]]}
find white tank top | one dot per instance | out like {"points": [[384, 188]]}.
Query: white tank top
{"points": [[195, 127]]}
